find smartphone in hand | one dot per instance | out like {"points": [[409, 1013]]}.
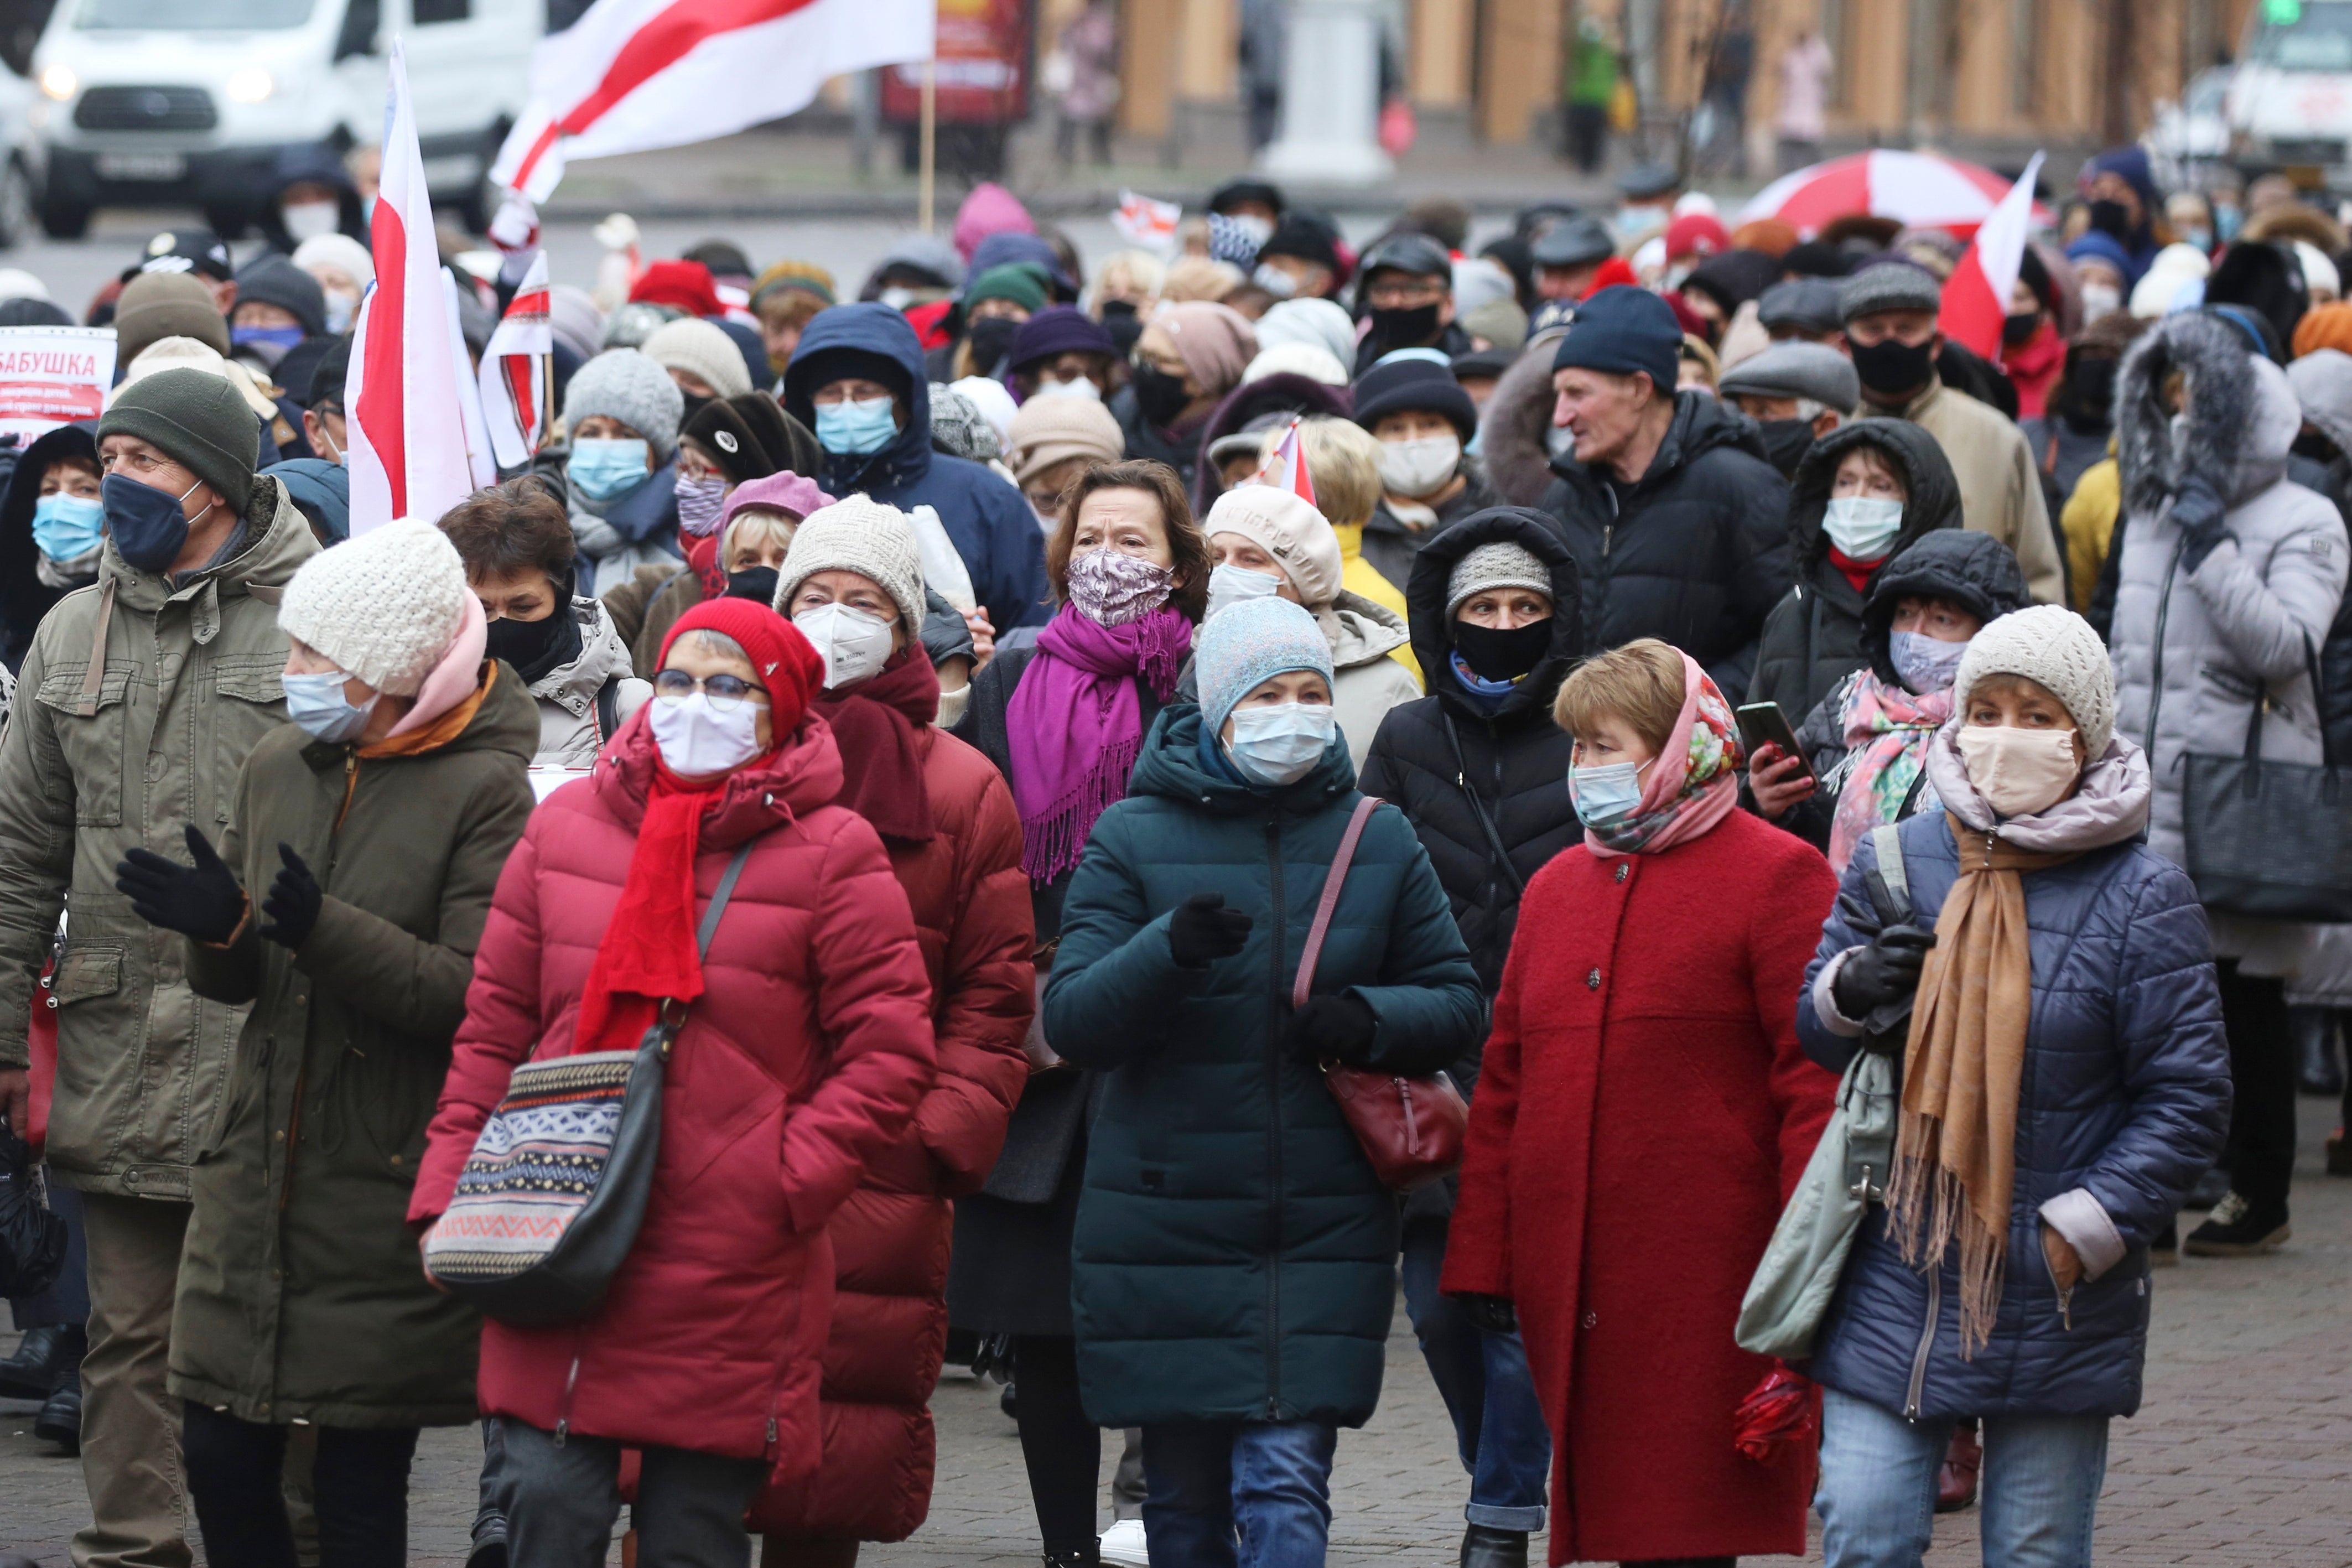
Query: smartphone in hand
{"points": [[1763, 724]]}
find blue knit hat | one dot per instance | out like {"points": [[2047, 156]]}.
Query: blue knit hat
{"points": [[1246, 644], [1622, 330]]}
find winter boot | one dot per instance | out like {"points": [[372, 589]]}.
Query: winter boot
{"points": [[2236, 1229], [2339, 1154], [1956, 1482], [59, 1421], [2210, 1189], [1485, 1548], [2316, 1071], [42, 1357]]}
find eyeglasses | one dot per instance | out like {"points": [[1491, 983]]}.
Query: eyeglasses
{"points": [[1142, 361], [725, 693], [1390, 294]]}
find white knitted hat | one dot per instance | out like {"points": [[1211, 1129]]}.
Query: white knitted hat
{"points": [[864, 536], [383, 606], [2054, 648], [703, 351], [1285, 527]]}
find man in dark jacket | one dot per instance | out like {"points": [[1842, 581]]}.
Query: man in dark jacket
{"points": [[1408, 292], [1678, 524], [856, 379], [1422, 420]]}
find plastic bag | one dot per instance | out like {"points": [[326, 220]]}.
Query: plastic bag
{"points": [[32, 1237], [1781, 1419]]}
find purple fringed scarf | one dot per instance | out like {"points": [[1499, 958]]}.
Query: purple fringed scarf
{"points": [[1076, 726]]}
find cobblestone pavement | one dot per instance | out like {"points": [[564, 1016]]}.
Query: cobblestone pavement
{"points": [[2241, 1456]]}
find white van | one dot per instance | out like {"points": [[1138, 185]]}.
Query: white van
{"points": [[2290, 100], [198, 102]]}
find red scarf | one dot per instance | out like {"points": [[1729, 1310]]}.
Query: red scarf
{"points": [[1855, 571], [874, 724], [648, 952]]}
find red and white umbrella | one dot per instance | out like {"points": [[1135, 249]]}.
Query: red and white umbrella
{"points": [[1918, 189]]}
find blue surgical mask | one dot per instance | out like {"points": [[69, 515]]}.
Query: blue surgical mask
{"points": [[269, 343], [1863, 527], [316, 703], [856, 427], [2202, 239], [1231, 585], [1281, 744], [1925, 663], [603, 466], [1606, 794], [64, 526], [148, 525]]}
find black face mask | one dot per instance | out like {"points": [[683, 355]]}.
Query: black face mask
{"points": [[535, 647], [2090, 389], [1494, 653], [693, 407], [1405, 329], [992, 339], [2112, 218], [1893, 369], [2016, 329], [757, 584], [146, 525], [1119, 320], [1786, 442], [1160, 397]]}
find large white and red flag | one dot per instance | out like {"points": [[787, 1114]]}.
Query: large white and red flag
{"points": [[404, 395], [1976, 296], [632, 76], [518, 372]]}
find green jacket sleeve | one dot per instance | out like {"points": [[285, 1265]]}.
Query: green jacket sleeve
{"points": [[1429, 1005], [36, 840], [1116, 982]]}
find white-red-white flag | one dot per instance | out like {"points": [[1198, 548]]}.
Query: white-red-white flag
{"points": [[1285, 469], [1976, 296], [1141, 221], [632, 76], [518, 372], [404, 398]]}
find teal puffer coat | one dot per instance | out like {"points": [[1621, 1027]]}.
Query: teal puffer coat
{"points": [[1235, 1257]]}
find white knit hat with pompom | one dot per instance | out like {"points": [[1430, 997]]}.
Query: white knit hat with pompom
{"points": [[383, 606]]}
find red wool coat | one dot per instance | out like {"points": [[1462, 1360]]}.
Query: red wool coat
{"points": [[1643, 1110], [801, 1063], [890, 1239]]}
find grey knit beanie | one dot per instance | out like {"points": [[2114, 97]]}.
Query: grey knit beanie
{"points": [[1249, 644], [864, 536], [383, 606], [623, 384], [198, 420], [2054, 648], [958, 426], [703, 351], [1502, 564]]}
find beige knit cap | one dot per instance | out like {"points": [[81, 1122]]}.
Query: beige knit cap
{"points": [[1299, 537], [1048, 430], [703, 351], [2054, 648], [860, 535], [382, 605]]}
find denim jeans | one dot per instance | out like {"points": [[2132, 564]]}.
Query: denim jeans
{"points": [[1877, 1498], [1497, 1425], [1238, 1494]]}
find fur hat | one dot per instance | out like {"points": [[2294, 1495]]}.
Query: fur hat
{"points": [[1285, 527], [1249, 644], [2055, 648], [383, 607], [864, 536], [703, 351], [623, 384], [1502, 564]]}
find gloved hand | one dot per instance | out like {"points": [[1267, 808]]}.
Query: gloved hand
{"points": [[2198, 511], [514, 230], [1203, 929], [205, 902], [293, 900], [1884, 973], [1333, 1029], [1491, 1314]]}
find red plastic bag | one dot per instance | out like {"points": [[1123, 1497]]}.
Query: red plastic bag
{"points": [[1398, 127], [1780, 1420]]}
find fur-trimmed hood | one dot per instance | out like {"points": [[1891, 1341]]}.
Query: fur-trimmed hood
{"points": [[1512, 427], [2242, 416]]}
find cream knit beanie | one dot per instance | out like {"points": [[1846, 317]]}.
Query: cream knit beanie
{"points": [[383, 606], [1299, 537], [703, 351], [2054, 648], [858, 535]]}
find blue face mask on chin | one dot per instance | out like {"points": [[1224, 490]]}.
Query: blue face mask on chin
{"points": [[65, 527], [603, 466], [316, 703], [858, 427], [269, 343]]}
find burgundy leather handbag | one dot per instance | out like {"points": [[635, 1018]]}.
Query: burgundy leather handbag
{"points": [[1411, 1129]]}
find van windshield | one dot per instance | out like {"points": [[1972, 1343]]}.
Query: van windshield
{"points": [[2301, 35], [192, 16]]}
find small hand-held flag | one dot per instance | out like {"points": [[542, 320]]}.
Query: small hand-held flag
{"points": [[1976, 296], [518, 372], [1285, 468]]}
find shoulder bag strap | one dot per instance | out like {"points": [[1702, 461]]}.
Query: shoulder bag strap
{"points": [[93, 679], [608, 711], [1510, 873], [1333, 881], [724, 890]]}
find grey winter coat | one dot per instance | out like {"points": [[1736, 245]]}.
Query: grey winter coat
{"points": [[569, 735], [2235, 629]]}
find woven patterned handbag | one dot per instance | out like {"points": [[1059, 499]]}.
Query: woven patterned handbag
{"points": [[549, 1201]]}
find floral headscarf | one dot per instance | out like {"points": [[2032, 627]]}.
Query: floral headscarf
{"points": [[1887, 729], [1696, 782]]}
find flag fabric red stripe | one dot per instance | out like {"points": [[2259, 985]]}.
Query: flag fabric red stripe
{"points": [[547, 138], [382, 395], [659, 44]]}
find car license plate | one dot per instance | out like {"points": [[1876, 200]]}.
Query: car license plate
{"points": [[141, 165]]}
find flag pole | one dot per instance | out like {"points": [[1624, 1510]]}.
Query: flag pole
{"points": [[928, 190]]}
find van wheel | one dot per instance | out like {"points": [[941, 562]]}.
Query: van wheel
{"points": [[16, 205], [62, 219]]}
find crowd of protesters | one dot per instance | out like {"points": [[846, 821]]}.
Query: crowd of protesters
{"points": [[1029, 732]]}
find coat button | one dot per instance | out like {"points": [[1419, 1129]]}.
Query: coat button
{"points": [[1621, 869], [1593, 981], [1592, 1319]]}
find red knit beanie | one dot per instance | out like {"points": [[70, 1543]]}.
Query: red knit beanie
{"points": [[781, 658]]}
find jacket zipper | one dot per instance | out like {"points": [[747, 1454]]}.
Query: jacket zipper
{"points": [[1273, 1055], [1926, 1343]]}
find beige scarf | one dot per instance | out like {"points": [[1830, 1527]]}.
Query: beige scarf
{"points": [[1956, 1146]]}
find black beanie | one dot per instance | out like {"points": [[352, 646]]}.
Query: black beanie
{"points": [[274, 280], [1622, 330], [198, 419]]}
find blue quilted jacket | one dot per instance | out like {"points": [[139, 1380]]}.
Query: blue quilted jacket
{"points": [[2126, 1093]]}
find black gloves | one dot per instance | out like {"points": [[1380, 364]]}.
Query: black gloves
{"points": [[1203, 929], [292, 903], [1491, 1314], [1882, 975], [1333, 1029], [205, 902], [2198, 511]]}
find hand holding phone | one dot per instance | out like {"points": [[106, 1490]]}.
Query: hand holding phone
{"points": [[1778, 774]]}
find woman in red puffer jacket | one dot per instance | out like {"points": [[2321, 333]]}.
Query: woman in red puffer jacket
{"points": [[806, 1048]]}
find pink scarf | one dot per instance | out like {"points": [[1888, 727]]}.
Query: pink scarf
{"points": [[1694, 785], [1887, 728], [1077, 725]]}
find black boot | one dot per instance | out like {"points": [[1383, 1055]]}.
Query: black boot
{"points": [[59, 1421], [41, 1358], [2316, 1071], [2210, 1189], [2238, 1230], [1485, 1548]]}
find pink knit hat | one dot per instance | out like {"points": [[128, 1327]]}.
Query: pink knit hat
{"points": [[989, 209], [783, 491]]}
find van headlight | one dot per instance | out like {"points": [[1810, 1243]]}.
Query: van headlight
{"points": [[249, 85], [59, 81]]}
